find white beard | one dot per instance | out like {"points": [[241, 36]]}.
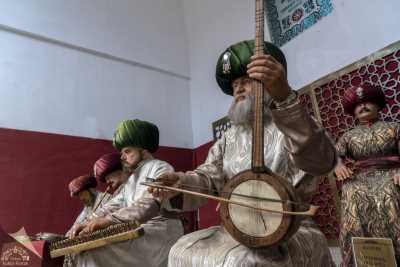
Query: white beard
{"points": [[242, 112]]}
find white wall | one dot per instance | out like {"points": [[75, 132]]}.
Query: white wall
{"points": [[355, 29], [63, 63], [80, 67], [211, 26], [146, 31]]}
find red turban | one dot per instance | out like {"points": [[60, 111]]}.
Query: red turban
{"points": [[81, 183], [364, 93], [106, 165]]}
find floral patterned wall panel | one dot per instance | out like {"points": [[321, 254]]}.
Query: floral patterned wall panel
{"points": [[323, 100]]}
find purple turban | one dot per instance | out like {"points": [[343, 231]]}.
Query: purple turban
{"points": [[106, 165], [81, 183]]}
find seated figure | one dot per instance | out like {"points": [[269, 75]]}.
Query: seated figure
{"points": [[137, 140], [295, 147]]}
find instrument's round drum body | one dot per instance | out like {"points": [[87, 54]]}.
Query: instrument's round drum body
{"points": [[254, 228]]}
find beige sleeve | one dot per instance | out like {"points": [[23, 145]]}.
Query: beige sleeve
{"points": [[206, 178], [307, 143], [142, 205]]}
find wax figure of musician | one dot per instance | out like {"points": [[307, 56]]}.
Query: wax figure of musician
{"points": [[293, 141], [83, 187], [136, 140], [370, 192], [108, 169]]}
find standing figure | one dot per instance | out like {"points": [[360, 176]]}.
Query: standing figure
{"points": [[370, 193], [295, 147]]}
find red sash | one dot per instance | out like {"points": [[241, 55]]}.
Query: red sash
{"points": [[387, 162]]}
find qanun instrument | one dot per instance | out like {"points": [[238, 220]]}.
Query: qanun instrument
{"points": [[112, 234]]}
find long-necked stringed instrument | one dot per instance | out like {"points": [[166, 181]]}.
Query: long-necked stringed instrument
{"points": [[257, 206], [251, 227]]}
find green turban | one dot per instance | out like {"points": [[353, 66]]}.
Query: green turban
{"points": [[136, 133], [232, 63]]}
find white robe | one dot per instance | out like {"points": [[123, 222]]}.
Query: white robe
{"points": [[135, 203], [295, 147], [86, 214], [87, 211]]}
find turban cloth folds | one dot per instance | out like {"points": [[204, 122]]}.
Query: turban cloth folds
{"points": [[81, 183], [232, 63], [136, 133], [106, 165]]}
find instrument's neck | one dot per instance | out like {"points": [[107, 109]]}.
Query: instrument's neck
{"points": [[258, 89]]}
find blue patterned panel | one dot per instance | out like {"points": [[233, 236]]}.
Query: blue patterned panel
{"points": [[288, 18]]}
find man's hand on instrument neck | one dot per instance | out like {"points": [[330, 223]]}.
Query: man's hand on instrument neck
{"points": [[272, 74], [172, 179]]}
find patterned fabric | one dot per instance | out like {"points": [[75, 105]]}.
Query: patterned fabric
{"points": [[106, 165], [370, 200], [232, 154], [370, 141], [214, 247], [233, 62], [136, 133], [135, 203], [81, 183]]}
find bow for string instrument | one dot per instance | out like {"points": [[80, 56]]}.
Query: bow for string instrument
{"points": [[258, 208]]}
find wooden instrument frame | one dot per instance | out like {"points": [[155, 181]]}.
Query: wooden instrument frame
{"points": [[251, 241], [132, 234]]}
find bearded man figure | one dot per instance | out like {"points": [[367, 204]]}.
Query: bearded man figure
{"points": [[137, 140], [83, 187], [370, 192], [109, 170], [295, 148]]}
